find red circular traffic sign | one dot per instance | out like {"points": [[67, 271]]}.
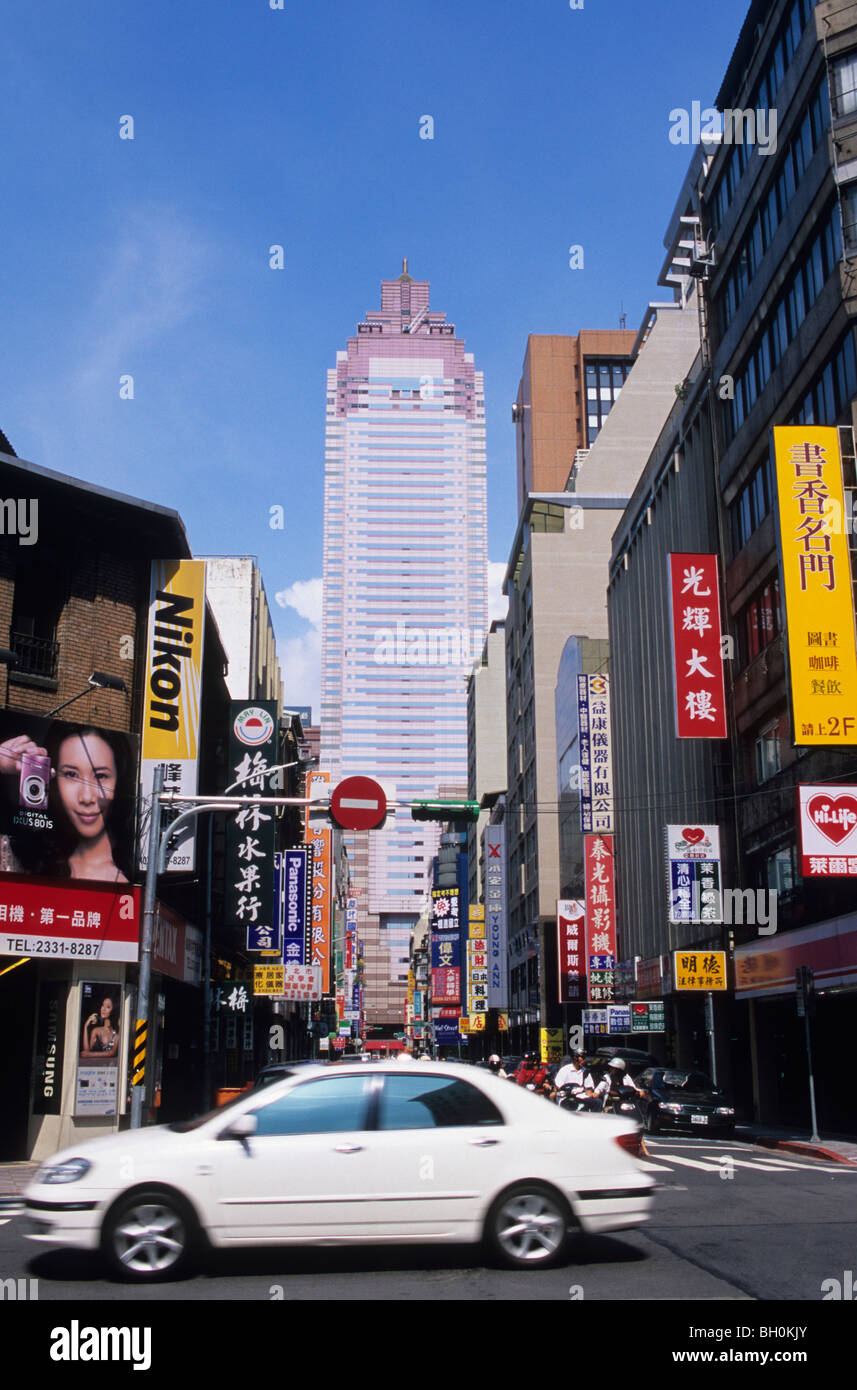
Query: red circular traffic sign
{"points": [[358, 803]]}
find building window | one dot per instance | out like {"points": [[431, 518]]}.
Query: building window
{"points": [[760, 621], [849, 216], [767, 751], [845, 84]]}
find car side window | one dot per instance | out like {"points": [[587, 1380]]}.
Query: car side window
{"points": [[330, 1105], [434, 1102]]}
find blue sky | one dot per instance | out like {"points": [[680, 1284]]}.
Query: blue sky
{"points": [[300, 127]]}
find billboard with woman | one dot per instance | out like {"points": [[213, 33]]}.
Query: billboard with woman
{"points": [[96, 1087], [67, 799]]}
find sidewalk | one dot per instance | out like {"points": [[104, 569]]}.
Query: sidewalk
{"points": [[14, 1177], [840, 1148]]}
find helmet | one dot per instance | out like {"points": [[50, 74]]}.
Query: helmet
{"points": [[493, 1060], [617, 1063], [530, 1058]]}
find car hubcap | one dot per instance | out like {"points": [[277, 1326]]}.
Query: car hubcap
{"points": [[149, 1239], [530, 1228]]}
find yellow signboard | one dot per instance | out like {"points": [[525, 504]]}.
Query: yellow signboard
{"points": [[700, 970], [818, 594], [464, 1025], [269, 980], [550, 1043], [174, 661], [503, 1023]]}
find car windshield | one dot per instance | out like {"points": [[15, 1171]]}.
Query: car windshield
{"points": [[687, 1081]]}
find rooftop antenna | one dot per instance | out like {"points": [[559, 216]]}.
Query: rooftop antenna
{"points": [[623, 317]]}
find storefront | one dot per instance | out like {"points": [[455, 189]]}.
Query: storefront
{"points": [[765, 982]]}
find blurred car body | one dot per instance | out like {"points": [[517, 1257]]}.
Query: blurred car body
{"points": [[679, 1099], [373, 1154]]}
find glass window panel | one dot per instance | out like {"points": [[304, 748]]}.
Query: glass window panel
{"points": [[434, 1102], [333, 1105]]}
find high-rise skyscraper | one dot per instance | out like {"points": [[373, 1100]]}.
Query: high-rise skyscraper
{"points": [[405, 602]]}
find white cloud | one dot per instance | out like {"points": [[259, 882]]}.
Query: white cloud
{"points": [[305, 597], [498, 603], [300, 656]]}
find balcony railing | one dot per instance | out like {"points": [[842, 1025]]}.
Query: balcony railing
{"points": [[37, 656]]}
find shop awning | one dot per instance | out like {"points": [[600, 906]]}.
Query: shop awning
{"points": [[766, 968]]}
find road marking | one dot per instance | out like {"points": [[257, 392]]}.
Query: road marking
{"points": [[654, 1167], [693, 1163]]}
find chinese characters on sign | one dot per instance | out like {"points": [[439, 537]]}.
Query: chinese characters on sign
{"points": [[445, 947], [297, 908], [495, 916], [477, 964], [79, 922], [700, 969], [828, 831], [251, 830], [698, 667], [596, 768], [320, 840], [693, 868], [571, 946], [647, 1016], [817, 584], [600, 918]]}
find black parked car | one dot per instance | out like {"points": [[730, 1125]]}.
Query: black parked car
{"points": [[635, 1060], [677, 1099]]}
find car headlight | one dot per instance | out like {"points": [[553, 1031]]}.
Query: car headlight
{"points": [[70, 1171], [724, 1110], [670, 1106]]}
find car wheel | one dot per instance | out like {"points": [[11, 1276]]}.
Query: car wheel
{"points": [[148, 1236], [527, 1227], [652, 1126]]}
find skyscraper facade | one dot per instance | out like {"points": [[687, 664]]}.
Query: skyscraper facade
{"points": [[405, 601]]}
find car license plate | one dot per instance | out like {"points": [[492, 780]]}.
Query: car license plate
{"points": [[699, 1119]]}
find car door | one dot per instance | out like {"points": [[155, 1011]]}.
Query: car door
{"points": [[443, 1144], [303, 1173]]}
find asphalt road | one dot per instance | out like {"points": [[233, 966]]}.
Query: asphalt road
{"points": [[730, 1222]]}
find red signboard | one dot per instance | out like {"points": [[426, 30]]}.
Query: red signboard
{"points": [[75, 921], [571, 946], [358, 803], [446, 985], [697, 662], [600, 918]]}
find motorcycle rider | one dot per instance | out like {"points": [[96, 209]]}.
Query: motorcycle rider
{"points": [[531, 1072], [495, 1065], [575, 1079], [615, 1085]]}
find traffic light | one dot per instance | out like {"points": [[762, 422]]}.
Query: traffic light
{"points": [[445, 810]]}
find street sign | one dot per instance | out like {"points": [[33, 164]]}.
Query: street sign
{"points": [[358, 803]]}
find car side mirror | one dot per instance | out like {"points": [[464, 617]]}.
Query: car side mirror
{"points": [[241, 1129]]}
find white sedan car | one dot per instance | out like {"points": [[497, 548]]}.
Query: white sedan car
{"points": [[375, 1154]]}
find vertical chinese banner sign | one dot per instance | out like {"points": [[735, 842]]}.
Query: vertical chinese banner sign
{"points": [[571, 945], [697, 663], [251, 830], [320, 839], [817, 585], [600, 918]]}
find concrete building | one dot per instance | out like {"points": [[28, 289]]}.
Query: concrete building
{"points": [[568, 387], [770, 236], [238, 600], [486, 742], [556, 582], [405, 597]]}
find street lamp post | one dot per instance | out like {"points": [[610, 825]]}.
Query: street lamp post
{"points": [[158, 841]]}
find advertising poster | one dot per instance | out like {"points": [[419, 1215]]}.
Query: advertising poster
{"points": [[297, 907], [828, 831], [697, 662], [67, 799], [96, 1083], [171, 698], [81, 921], [817, 585]]}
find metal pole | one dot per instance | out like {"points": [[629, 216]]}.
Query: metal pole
{"points": [[144, 984], [709, 1026], [815, 1135]]}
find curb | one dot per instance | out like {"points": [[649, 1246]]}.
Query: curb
{"points": [[809, 1150]]}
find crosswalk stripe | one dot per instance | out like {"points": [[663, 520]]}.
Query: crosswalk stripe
{"points": [[790, 1163], [654, 1167], [693, 1163]]}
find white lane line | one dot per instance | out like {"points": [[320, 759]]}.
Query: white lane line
{"points": [[792, 1163]]}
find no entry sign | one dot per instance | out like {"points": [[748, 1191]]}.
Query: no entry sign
{"points": [[358, 803]]}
